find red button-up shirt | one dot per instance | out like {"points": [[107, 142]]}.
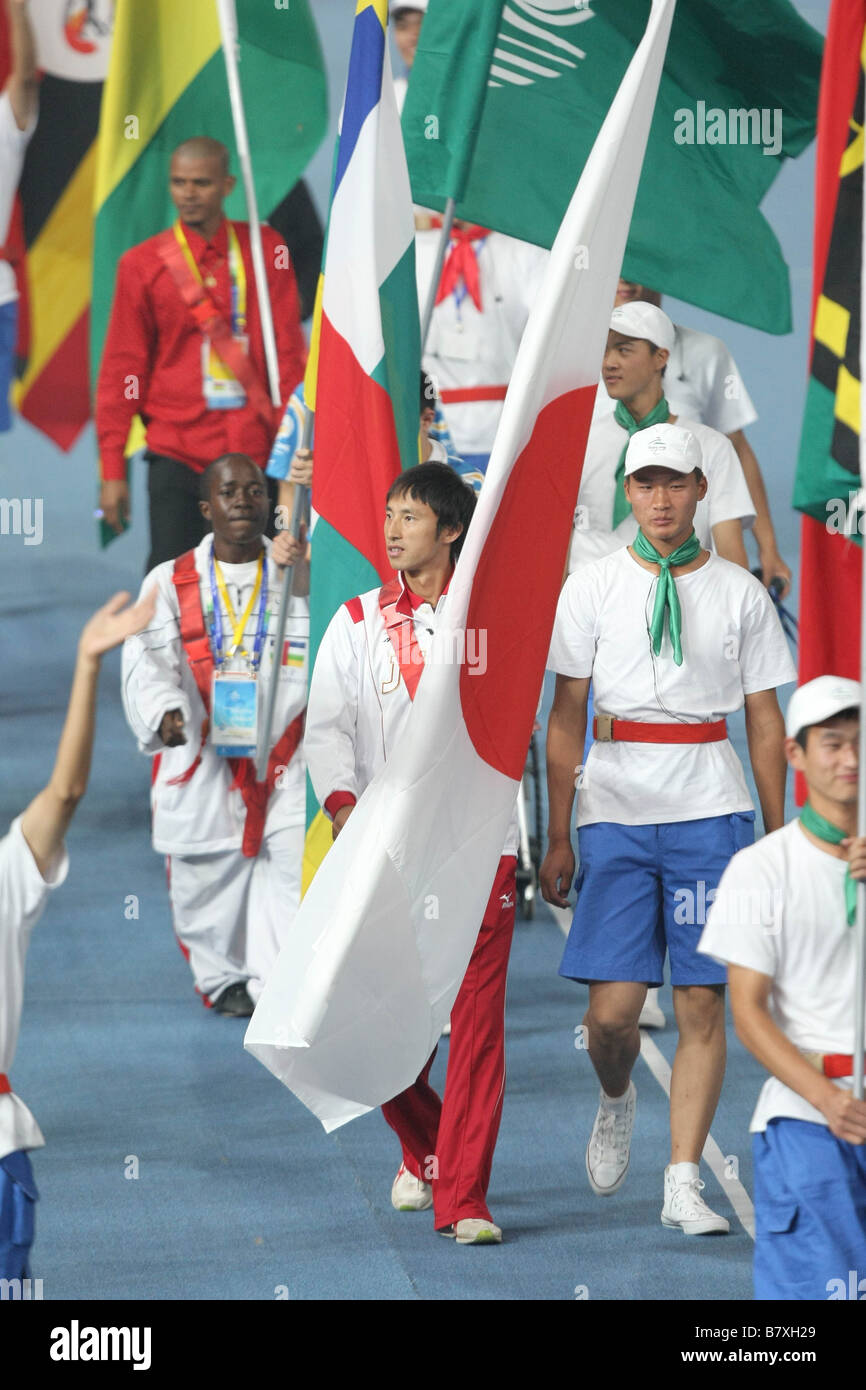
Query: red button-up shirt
{"points": [[152, 361]]}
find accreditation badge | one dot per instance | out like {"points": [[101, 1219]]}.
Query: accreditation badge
{"points": [[234, 714], [222, 390]]}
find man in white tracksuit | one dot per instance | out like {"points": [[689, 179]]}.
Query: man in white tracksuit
{"points": [[366, 673], [233, 846]]}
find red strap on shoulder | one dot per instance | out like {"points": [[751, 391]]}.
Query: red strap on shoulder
{"points": [[355, 610], [401, 633], [210, 321], [5, 1085], [196, 644]]}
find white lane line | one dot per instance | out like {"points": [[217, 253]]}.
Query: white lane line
{"points": [[658, 1065]]}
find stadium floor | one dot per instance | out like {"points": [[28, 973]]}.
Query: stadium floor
{"points": [[176, 1167]]}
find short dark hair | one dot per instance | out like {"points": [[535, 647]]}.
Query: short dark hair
{"points": [[654, 347], [206, 480], [803, 735], [450, 499]]}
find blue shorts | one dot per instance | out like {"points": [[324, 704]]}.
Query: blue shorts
{"points": [[17, 1214], [810, 1213], [642, 889], [8, 335]]}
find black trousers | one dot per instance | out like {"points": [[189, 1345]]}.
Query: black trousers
{"points": [[176, 523]]}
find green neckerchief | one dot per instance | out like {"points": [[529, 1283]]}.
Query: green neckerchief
{"points": [[825, 830], [666, 593], [623, 416]]}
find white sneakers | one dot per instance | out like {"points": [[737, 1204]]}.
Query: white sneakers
{"points": [[413, 1194], [608, 1149], [409, 1193], [472, 1230], [684, 1206]]}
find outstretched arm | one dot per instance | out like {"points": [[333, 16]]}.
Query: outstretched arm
{"points": [[47, 818]]}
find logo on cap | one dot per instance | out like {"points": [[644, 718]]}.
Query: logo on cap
{"points": [[657, 446]]}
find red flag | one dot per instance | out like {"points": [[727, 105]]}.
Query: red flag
{"points": [[831, 563]]}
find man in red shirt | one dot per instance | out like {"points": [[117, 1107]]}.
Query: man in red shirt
{"points": [[184, 350]]}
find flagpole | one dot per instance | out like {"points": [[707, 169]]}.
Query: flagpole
{"points": [[229, 33], [299, 509], [860, 915], [444, 238]]}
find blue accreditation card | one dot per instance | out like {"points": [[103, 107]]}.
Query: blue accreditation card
{"points": [[234, 714]]}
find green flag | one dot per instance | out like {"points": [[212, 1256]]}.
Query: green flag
{"points": [[506, 99]]}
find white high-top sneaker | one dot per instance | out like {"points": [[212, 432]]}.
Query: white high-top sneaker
{"points": [[607, 1152], [685, 1207]]}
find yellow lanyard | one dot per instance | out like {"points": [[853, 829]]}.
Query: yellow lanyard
{"points": [[237, 274], [238, 628]]}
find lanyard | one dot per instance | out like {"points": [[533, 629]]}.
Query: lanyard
{"points": [[237, 275], [218, 589]]}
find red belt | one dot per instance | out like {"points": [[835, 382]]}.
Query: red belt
{"points": [[5, 1088], [456, 395], [607, 729]]}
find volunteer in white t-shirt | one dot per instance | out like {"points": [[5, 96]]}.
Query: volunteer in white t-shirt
{"points": [[32, 863], [18, 108], [703, 383], [782, 920], [674, 639], [635, 373]]}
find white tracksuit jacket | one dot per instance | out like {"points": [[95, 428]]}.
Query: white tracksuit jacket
{"points": [[358, 702], [203, 816]]}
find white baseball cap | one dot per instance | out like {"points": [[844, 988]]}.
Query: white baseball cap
{"points": [[407, 5], [820, 699], [638, 319], [663, 446]]}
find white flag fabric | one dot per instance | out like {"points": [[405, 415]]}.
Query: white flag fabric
{"points": [[375, 959]]}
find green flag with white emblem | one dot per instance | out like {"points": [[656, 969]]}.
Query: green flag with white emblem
{"points": [[507, 96]]}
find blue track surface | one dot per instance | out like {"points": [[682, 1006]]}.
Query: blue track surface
{"points": [[239, 1191]]}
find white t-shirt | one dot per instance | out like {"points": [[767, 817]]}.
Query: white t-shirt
{"points": [[23, 894], [701, 382], [13, 144], [728, 497], [780, 910], [733, 646]]}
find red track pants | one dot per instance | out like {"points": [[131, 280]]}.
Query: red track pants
{"points": [[451, 1141]]}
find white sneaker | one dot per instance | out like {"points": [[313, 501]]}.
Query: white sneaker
{"points": [[685, 1208], [472, 1230], [651, 1015], [608, 1149], [409, 1193]]}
